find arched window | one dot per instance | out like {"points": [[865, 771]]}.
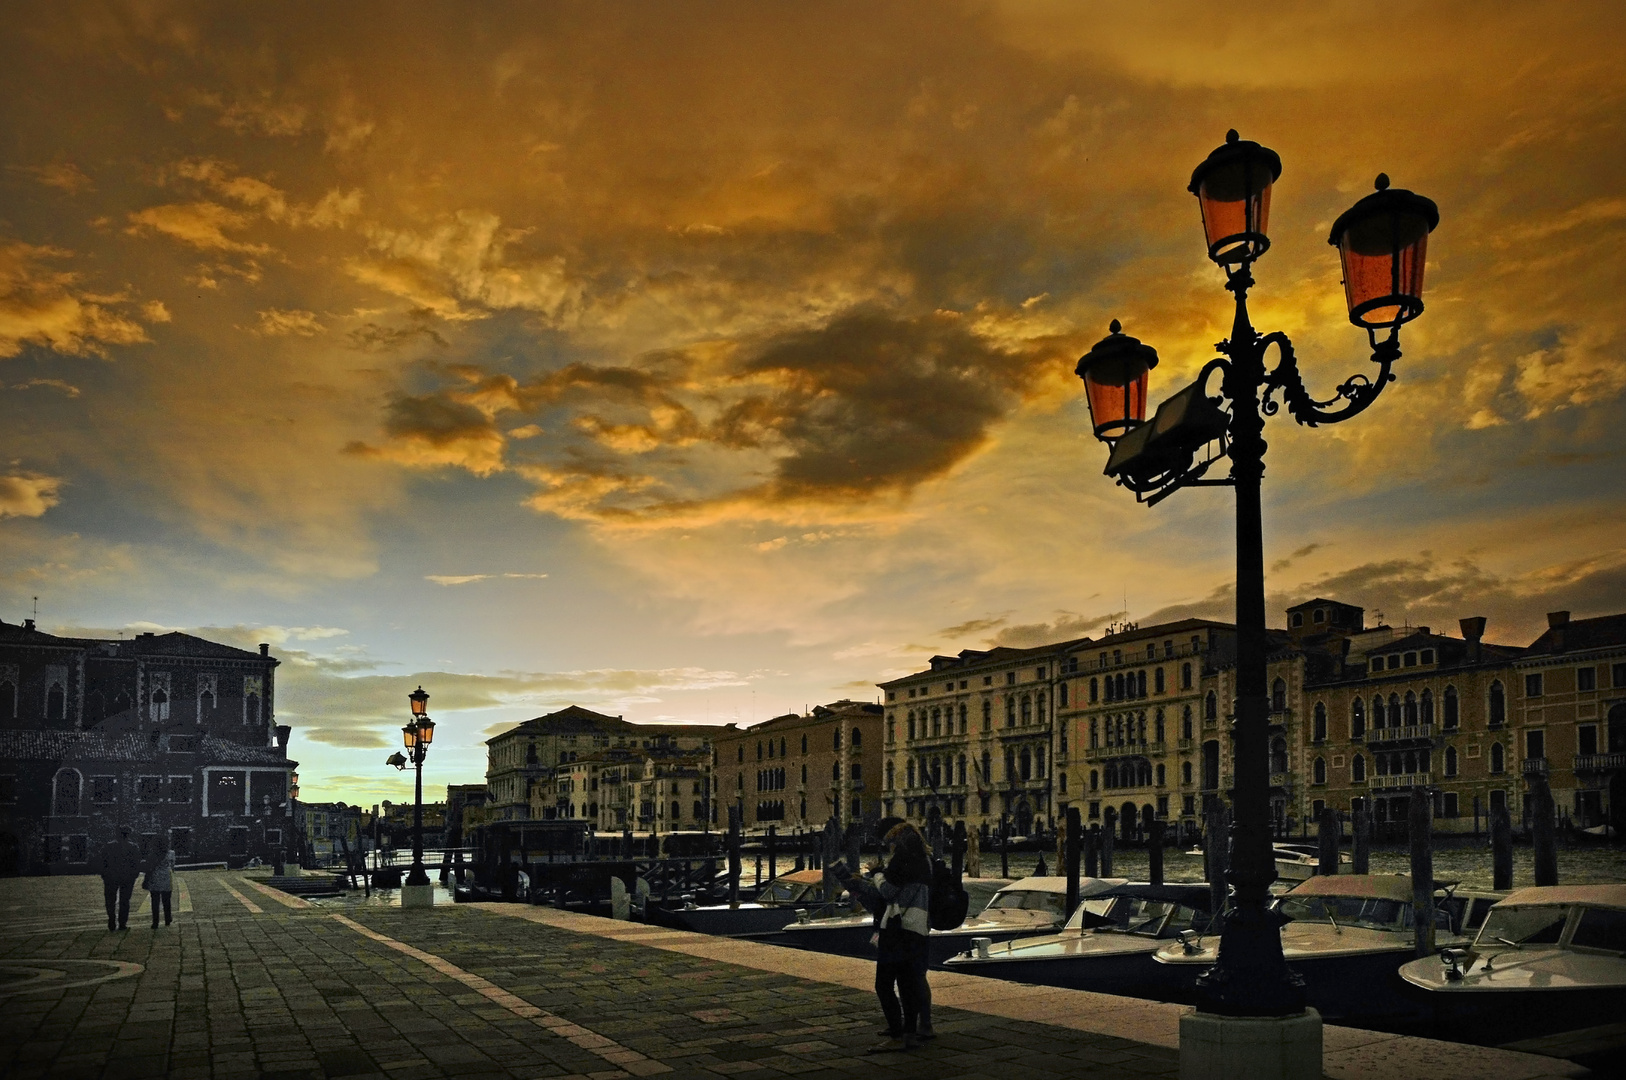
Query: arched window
{"points": [[987, 715], [1211, 706], [909, 772], [251, 708], [1377, 713], [1425, 709], [1498, 704], [1278, 696], [759, 750], [1095, 687], [911, 727], [1185, 722], [770, 747], [1010, 764], [1027, 710], [987, 768], [937, 771], [962, 718], [1394, 710], [1038, 760], [1144, 774], [960, 764], [160, 703], [1157, 680], [1498, 762], [937, 723], [1095, 780], [1010, 712], [836, 738], [1382, 763], [1451, 717], [1121, 687], [1185, 676], [1112, 775], [65, 792], [890, 774], [1357, 769], [1157, 727], [1140, 684], [1319, 770], [1185, 772], [1450, 761], [1094, 734], [8, 701], [1318, 724], [56, 703], [1410, 711], [857, 739], [1160, 774], [1061, 692], [1357, 719], [1278, 755], [1027, 764]]}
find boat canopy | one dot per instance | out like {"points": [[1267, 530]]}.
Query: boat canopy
{"points": [[1370, 886], [1609, 896], [1198, 896]]}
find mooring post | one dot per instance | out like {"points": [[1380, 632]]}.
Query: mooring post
{"points": [[1004, 847], [1074, 838], [1154, 852], [959, 850], [1327, 831], [773, 854], [733, 856], [1216, 854], [1108, 828], [1542, 836], [1360, 842], [1092, 852], [1421, 824], [1501, 830]]}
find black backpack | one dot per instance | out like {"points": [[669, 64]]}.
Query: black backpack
{"points": [[949, 901]]}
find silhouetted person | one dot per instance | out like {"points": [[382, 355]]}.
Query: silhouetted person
{"points": [[120, 865], [160, 880]]}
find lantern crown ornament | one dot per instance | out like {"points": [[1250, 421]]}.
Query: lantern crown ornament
{"points": [[1232, 186], [1383, 244], [1115, 374], [420, 702]]}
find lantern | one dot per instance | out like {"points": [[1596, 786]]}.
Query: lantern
{"points": [[1114, 373], [420, 702], [409, 736], [1383, 243], [1233, 189], [426, 730]]}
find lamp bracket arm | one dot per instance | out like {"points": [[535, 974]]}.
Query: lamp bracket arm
{"points": [[1358, 390]]}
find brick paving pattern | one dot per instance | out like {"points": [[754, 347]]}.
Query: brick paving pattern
{"points": [[251, 983]]}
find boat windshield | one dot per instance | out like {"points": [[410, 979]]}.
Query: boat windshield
{"points": [[1153, 918], [782, 892], [1601, 928], [1031, 900], [1366, 911], [1523, 926]]}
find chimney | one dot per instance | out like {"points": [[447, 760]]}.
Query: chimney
{"points": [[1473, 628], [265, 649], [1556, 622], [28, 624], [283, 731]]}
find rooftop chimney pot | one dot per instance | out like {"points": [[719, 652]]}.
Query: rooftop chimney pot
{"points": [[265, 649], [28, 624], [1472, 628], [1555, 619]]}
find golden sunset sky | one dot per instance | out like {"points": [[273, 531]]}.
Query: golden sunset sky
{"points": [[707, 361]]}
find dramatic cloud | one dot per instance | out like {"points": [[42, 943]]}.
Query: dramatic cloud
{"points": [[26, 495], [49, 308]]}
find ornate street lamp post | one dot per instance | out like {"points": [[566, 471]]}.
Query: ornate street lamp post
{"points": [[418, 733], [1382, 241]]}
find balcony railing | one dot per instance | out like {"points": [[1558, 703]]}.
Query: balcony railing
{"points": [[1536, 766], [1401, 780], [1599, 762], [1405, 733]]}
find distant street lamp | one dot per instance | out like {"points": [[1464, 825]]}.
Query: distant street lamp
{"points": [[1382, 241], [418, 733]]}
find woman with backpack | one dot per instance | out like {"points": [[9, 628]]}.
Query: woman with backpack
{"points": [[900, 896]]}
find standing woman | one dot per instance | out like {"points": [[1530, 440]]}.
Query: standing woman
{"points": [[901, 896], [160, 880]]}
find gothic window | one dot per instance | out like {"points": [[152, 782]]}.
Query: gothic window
{"points": [[1357, 769], [1498, 704], [987, 768], [1095, 740], [1319, 770], [1027, 710], [911, 772], [1185, 676], [1140, 684], [962, 718], [1377, 713], [857, 741], [1357, 719], [1063, 692], [158, 697], [911, 728], [835, 737], [1410, 711], [1185, 722], [1498, 760], [1318, 725], [1278, 696], [1211, 706], [960, 765], [1027, 764], [1095, 780], [65, 792], [1185, 772], [1038, 760], [1451, 715], [56, 703], [1157, 680], [1425, 708], [1278, 755], [1010, 764], [1158, 731], [889, 775], [1094, 691]]}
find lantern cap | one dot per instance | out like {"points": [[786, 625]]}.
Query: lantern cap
{"points": [[1385, 200], [1235, 147], [420, 701], [1117, 347]]}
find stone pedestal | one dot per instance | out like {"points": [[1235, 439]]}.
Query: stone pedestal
{"points": [[1224, 1047], [423, 896]]}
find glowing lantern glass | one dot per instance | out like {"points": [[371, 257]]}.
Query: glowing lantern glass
{"points": [[426, 731], [420, 702], [1233, 189], [1115, 375], [409, 735], [1383, 243]]}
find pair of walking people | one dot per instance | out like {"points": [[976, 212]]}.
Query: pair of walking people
{"points": [[120, 866], [899, 896]]}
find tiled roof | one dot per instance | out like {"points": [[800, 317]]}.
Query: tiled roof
{"points": [[213, 749], [1581, 634]]}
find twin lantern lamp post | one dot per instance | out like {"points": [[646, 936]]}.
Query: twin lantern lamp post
{"points": [[418, 733], [1382, 241]]}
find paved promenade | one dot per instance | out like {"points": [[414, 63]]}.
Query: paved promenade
{"points": [[250, 982]]}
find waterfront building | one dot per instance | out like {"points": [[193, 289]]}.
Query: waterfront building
{"points": [[328, 830], [461, 800], [973, 737], [170, 734], [799, 770]]}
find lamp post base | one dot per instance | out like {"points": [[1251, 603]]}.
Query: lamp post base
{"points": [[423, 896], [1214, 1047]]}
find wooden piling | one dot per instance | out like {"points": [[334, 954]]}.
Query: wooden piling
{"points": [[1154, 852], [1421, 825], [1360, 842], [1073, 841], [733, 856], [1107, 829], [773, 853], [1092, 852], [1327, 830], [1542, 836], [959, 850], [1004, 847], [1216, 857], [1501, 830]]}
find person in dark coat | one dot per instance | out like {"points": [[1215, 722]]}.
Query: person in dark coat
{"points": [[901, 896], [120, 866], [159, 882]]}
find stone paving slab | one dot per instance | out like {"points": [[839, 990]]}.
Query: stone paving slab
{"points": [[250, 982]]}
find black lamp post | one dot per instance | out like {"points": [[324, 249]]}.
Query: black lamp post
{"points": [[418, 733], [1382, 241]]}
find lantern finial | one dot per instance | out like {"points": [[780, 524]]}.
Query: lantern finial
{"points": [[1382, 182], [1115, 327], [1231, 136]]}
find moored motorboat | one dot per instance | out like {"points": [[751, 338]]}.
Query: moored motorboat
{"points": [[1114, 958], [1543, 952], [1297, 862], [1032, 905], [775, 905], [1347, 936]]}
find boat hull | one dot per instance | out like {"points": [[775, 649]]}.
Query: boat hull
{"points": [[1123, 974], [1353, 988], [855, 940]]}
